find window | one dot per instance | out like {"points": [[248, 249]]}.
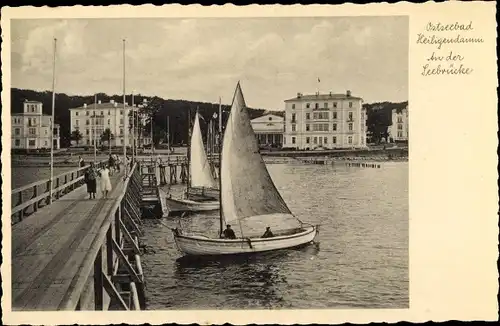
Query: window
{"points": [[45, 143], [350, 127], [350, 116], [334, 104], [77, 122], [33, 108], [29, 122], [334, 115], [320, 127], [334, 139], [86, 112], [293, 140], [109, 112], [315, 140], [334, 127], [32, 131], [350, 104], [76, 113], [17, 131], [400, 119], [45, 131], [293, 117], [326, 105], [400, 134], [87, 132], [88, 142], [284, 140], [320, 115], [17, 142], [307, 127], [102, 112], [308, 140], [293, 127], [87, 122], [31, 143], [308, 105], [325, 140], [293, 106], [109, 121], [308, 116], [316, 106], [121, 112], [121, 131], [349, 139], [400, 126]]}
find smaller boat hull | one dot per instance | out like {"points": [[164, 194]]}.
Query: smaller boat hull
{"points": [[204, 192], [198, 245], [186, 205]]}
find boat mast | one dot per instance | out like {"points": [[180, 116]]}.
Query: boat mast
{"points": [[219, 172], [52, 124]]}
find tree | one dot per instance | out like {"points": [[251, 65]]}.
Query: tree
{"points": [[76, 135], [107, 136]]}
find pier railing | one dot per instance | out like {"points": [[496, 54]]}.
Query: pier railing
{"points": [[29, 198], [112, 269]]}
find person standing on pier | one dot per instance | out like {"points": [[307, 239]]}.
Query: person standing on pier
{"points": [[81, 162], [90, 179], [111, 163], [105, 181]]}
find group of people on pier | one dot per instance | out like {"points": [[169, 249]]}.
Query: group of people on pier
{"points": [[90, 177]]}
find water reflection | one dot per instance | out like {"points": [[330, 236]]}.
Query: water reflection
{"points": [[257, 280]]}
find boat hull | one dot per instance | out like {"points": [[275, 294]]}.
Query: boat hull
{"points": [[184, 205], [205, 192], [197, 245]]}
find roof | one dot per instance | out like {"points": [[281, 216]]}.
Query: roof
{"points": [[323, 97], [101, 106], [266, 118]]}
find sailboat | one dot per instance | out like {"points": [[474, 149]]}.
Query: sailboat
{"points": [[200, 177], [249, 199], [203, 184]]}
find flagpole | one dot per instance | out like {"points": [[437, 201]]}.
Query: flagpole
{"points": [[133, 130], [52, 121], [94, 130], [125, 117]]}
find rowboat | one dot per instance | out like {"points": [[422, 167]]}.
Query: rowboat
{"points": [[249, 199]]}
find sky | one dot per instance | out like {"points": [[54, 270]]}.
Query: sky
{"points": [[202, 59]]}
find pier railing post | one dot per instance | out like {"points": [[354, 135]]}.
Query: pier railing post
{"points": [[98, 282]]}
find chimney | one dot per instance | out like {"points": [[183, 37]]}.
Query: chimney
{"points": [[348, 93], [99, 102], [84, 105], [330, 94], [299, 95]]}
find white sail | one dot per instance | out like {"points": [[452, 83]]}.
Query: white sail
{"points": [[247, 189], [201, 175]]}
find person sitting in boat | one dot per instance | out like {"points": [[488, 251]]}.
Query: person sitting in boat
{"points": [[229, 233], [268, 233]]}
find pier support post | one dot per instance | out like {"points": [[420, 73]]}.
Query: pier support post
{"points": [[98, 282]]}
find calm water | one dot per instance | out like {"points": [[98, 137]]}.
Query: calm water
{"points": [[360, 262], [21, 176]]}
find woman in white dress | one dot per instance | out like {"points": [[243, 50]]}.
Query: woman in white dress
{"points": [[105, 181]]}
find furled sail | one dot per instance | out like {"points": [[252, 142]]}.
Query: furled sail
{"points": [[201, 175], [247, 189]]}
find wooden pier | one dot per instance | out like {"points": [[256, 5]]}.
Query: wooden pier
{"points": [[347, 163], [74, 253]]}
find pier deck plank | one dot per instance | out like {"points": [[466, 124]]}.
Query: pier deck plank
{"points": [[49, 247]]}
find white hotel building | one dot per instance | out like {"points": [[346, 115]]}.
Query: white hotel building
{"points": [[325, 121], [107, 115], [31, 128], [398, 131]]}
